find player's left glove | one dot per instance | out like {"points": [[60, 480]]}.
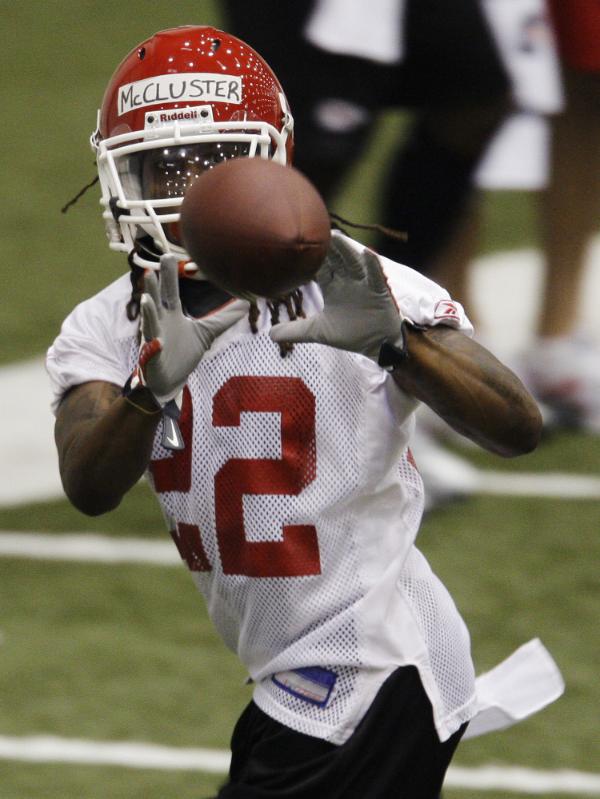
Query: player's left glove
{"points": [[359, 313]]}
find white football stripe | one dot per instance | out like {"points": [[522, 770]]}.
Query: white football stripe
{"points": [[29, 471], [523, 780], [87, 547], [51, 749], [556, 485]]}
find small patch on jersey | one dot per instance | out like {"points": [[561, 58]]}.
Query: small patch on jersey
{"points": [[446, 309], [313, 684]]}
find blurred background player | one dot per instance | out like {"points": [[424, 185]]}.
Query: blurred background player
{"points": [[516, 160], [562, 367], [517, 156], [550, 146], [349, 700], [345, 62]]}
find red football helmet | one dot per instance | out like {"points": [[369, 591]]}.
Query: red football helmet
{"points": [[181, 102]]}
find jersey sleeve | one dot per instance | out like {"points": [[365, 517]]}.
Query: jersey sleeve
{"points": [[423, 301], [420, 299], [94, 344]]}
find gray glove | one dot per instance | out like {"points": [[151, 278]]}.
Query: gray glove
{"points": [[173, 344], [359, 312]]}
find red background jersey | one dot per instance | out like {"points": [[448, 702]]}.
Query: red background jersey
{"points": [[577, 24]]}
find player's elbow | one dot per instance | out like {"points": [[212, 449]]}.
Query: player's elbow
{"points": [[92, 505], [89, 499], [95, 508], [524, 432]]}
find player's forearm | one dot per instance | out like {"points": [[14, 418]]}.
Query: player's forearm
{"points": [[471, 390], [104, 446]]}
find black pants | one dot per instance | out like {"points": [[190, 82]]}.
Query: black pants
{"points": [[394, 753]]}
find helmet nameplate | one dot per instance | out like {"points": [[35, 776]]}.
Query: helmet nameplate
{"points": [[204, 87]]}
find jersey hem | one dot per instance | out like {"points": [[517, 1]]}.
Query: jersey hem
{"points": [[445, 726]]}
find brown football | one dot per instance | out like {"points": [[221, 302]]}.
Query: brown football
{"points": [[254, 226]]}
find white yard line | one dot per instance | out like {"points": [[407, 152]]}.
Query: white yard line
{"points": [[28, 463], [529, 484], [88, 547], [515, 779], [50, 749]]}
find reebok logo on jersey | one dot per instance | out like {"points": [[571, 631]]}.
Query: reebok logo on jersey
{"points": [[197, 86], [446, 309]]}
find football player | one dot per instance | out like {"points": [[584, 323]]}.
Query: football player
{"points": [[285, 476]]}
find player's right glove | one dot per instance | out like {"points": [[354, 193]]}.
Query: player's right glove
{"points": [[172, 343]]}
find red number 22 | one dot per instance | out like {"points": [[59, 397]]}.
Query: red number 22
{"points": [[297, 553]]}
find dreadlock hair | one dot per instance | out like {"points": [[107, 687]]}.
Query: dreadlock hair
{"points": [[79, 194], [136, 275], [398, 235], [136, 272], [142, 246], [293, 304]]}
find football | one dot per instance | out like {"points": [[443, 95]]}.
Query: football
{"points": [[255, 227]]}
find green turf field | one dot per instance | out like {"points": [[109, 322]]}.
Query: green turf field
{"points": [[125, 653]]}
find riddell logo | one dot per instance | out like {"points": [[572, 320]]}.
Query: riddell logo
{"points": [[171, 116], [157, 119]]}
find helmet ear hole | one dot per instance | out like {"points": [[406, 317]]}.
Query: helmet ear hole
{"points": [[142, 53]]}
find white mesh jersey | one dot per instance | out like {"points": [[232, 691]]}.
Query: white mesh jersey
{"points": [[295, 505]]}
